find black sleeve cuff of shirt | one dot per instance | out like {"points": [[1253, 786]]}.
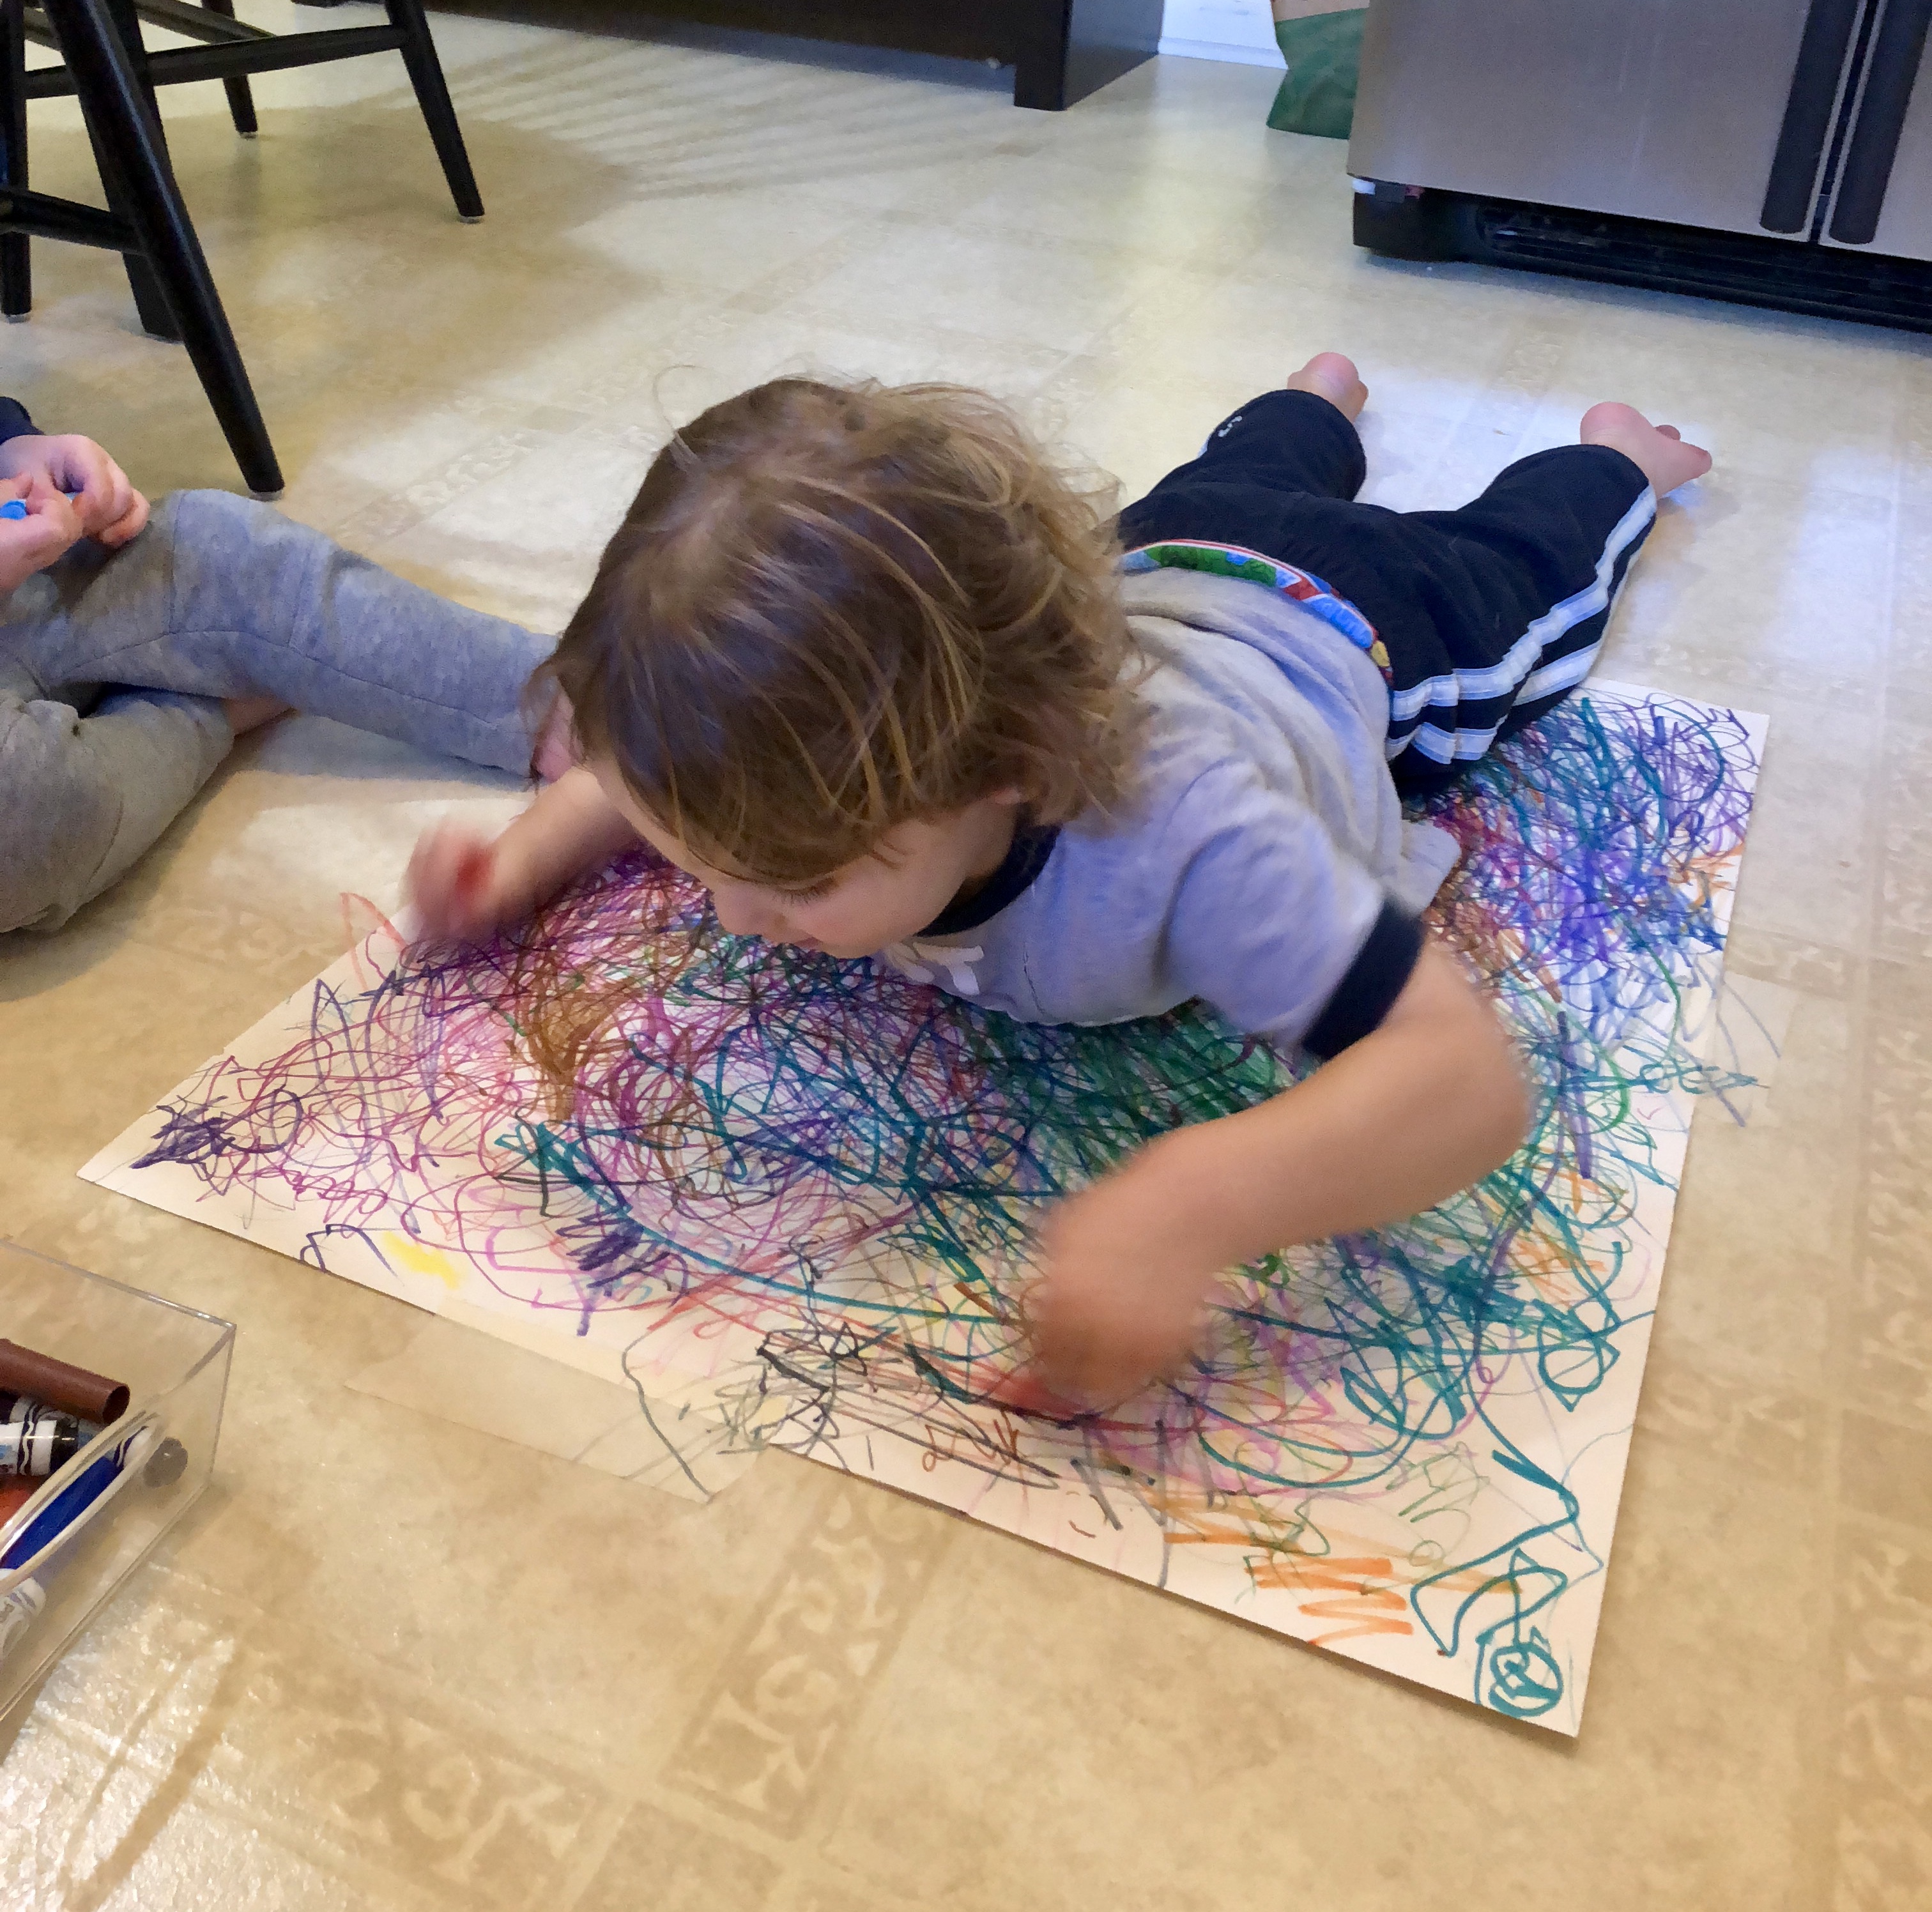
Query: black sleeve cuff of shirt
{"points": [[14, 422], [1365, 996]]}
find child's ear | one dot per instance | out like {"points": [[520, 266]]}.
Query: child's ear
{"points": [[1011, 799]]}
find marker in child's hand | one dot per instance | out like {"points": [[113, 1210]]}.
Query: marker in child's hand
{"points": [[16, 507], [473, 872]]}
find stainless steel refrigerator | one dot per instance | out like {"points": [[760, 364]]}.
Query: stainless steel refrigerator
{"points": [[1778, 152]]}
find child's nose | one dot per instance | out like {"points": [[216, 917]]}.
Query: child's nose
{"points": [[740, 915]]}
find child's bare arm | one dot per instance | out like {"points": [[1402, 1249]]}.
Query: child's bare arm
{"points": [[464, 884], [1430, 1102]]}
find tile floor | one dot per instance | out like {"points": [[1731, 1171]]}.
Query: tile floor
{"points": [[395, 1664]]}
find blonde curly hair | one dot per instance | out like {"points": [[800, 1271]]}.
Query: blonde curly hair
{"points": [[833, 609]]}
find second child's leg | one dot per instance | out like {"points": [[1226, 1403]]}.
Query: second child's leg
{"points": [[222, 598]]}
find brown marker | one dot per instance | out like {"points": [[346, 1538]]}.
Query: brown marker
{"points": [[93, 1397]]}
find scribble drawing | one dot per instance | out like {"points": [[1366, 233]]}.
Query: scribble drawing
{"points": [[808, 1185]]}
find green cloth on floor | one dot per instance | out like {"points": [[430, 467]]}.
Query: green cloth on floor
{"points": [[1324, 52]]}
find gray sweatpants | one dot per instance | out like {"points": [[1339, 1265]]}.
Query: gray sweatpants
{"points": [[112, 664]]}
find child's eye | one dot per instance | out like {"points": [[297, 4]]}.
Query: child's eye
{"points": [[812, 894]]}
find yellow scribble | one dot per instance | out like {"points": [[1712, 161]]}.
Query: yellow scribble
{"points": [[407, 1252]]}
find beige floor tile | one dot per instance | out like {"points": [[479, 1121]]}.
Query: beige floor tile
{"points": [[1762, 1243], [1098, 1743], [524, 524], [1778, 396], [672, 1866], [1905, 842], [1888, 1349], [1881, 1848], [1036, 290], [203, 1751], [1885, 1471]]}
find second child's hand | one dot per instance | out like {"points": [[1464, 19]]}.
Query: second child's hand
{"points": [[110, 509], [50, 528]]}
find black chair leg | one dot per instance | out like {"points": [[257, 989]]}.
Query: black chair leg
{"points": [[127, 135], [419, 55], [240, 101], [151, 305], [17, 270], [150, 302]]}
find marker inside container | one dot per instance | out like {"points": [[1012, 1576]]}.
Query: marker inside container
{"points": [[148, 1456], [42, 1442], [59, 1384]]}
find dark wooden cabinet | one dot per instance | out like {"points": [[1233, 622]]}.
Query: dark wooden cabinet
{"points": [[1060, 50]]}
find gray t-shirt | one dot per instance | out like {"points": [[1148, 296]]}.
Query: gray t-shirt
{"points": [[1261, 863]]}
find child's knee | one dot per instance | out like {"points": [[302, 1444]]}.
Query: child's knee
{"points": [[213, 520], [225, 557]]}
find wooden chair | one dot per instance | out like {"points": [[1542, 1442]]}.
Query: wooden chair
{"points": [[105, 66]]}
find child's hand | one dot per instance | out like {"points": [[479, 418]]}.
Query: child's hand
{"points": [[111, 510], [1428, 1103], [1121, 1300], [52, 527], [457, 881], [466, 886]]}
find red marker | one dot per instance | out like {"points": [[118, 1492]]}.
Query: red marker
{"points": [[473, 872]]}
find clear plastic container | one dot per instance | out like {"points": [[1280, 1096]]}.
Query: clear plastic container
{"points": [[175, 1362]]}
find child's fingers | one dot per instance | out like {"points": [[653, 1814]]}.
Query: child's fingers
{"points": [[132, 522], [1027, 1392], [451, 882], [1098, 1346], [428, 883], [43, 499], [1068, 1362], [100, 488], [37, 524], [41, 526]]}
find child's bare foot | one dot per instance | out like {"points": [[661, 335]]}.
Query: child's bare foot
{"points": [[1658, 451], [1328, 375]]}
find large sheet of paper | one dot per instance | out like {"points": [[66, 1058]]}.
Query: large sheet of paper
{"points": [[791, 1198]]}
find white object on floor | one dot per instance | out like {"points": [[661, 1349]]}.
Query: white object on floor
{"points": [[1242, 31]]}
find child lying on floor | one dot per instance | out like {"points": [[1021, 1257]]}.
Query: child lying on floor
{"points": [[132, 652], [866, 666]]}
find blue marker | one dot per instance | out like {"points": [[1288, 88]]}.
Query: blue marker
{"points": [[16, 507], [164, 1462], [158, 1460]]}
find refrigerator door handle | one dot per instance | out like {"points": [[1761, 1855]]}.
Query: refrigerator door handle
{"points": [[1898, 48], [1808, 114]]}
